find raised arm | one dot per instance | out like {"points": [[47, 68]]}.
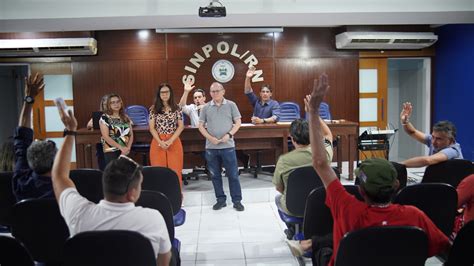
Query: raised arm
{"points": [[407, 126], [62, 162], [248, 76], [188, 87], [33, 86], [312, 102]]}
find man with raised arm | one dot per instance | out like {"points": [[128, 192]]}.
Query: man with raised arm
{"points": [[33, 159], [441, 143], [192, 110], [378, 184], [122, 179], [265, 109]]}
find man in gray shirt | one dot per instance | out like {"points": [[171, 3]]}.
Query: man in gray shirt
{"points": [[222, 120]]}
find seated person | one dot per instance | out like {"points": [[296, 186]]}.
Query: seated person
{"points": [[299, 157], [442, 141], [192, 110], [102, 108], [34, 159], [266, 110], [122, 181], [378, 184]]}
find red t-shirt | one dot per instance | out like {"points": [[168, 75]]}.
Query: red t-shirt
{"points": [[350, 214], [466, 196]]}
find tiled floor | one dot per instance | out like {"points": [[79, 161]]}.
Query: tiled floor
{"points": [[227, 237]]}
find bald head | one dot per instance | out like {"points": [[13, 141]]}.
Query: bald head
{"points": [[217, 92]]}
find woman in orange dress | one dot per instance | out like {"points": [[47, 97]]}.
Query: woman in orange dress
{"points": [[166, 124]]}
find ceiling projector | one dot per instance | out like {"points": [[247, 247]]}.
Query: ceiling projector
{"points": [[212, 11]]}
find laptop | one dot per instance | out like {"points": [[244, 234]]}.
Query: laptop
{"points": [[95, 119]]}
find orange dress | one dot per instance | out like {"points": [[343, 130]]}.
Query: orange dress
{"points": [[166, 124]]}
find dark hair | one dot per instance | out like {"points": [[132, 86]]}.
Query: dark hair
{"points": [[40, 155], [7, 156], [266, 86], [122, 114], [299, 131], [383, 196], [120, 175], [447, 127], [201, 91], [158, 106]]}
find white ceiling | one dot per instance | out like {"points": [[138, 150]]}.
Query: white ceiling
{"points": [[77, 15]]}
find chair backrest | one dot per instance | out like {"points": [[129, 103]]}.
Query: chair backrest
{"points": [[158, 201], [317, 216], [138, 114], [386, 245], [301, 182], [437, 200], [450, 172], [88, 183], [38, 224], [163, 180], [402, 175], [112, 247], [324, 112], [14, 253], [289, 111], [7, 199], [461, 250]]}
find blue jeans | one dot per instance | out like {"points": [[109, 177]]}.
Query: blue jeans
{"points": [[216, 159]]}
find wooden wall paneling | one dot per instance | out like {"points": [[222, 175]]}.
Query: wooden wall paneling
{"points": [[294, 79], [308, 43], [183, 46], [51, 68], [134, 81], [127, 45], [234, 88]]}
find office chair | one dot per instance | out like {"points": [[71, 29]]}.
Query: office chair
{"points": [[438, 201], [300, 183], [384, 245], [88, 183], [38, 224], [14, 253], [111, 247], [324, 112], [7, 200], [289, 111], [158, 201], [139, 115], [450, 172], [165, 180], [461, 250]]}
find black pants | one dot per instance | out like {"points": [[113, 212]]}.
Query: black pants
{"points": [[322, 249], [110, 156]]}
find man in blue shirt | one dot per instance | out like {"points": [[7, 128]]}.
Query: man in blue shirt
{"points": [[442, 141], [265, 110], [34, 159]]}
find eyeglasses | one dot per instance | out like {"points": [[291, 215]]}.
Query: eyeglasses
{"points": [[114, 102], [134, 173], [216, 91]]}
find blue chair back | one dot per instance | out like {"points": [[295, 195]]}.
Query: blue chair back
{"points": [[289, 111], [324, 112], [138, 114]]}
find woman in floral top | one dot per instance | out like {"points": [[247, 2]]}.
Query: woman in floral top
{"points": [[166, 124], [116, 129]]}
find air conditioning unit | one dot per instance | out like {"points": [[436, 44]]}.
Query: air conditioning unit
{"points": [[47, 47], [385, 40]]}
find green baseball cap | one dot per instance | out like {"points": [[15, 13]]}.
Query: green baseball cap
{"points": [[376, 174]]}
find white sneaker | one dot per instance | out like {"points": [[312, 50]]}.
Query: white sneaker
{"points": [[295, 247]]}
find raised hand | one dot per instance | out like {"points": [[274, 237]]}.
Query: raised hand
{"points": [[250, 72], [67, 118], [188, 85], [34, 85], [406, 112], [320, 88]]}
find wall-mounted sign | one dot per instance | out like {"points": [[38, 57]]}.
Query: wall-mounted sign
{"points": [[222, 70]]}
